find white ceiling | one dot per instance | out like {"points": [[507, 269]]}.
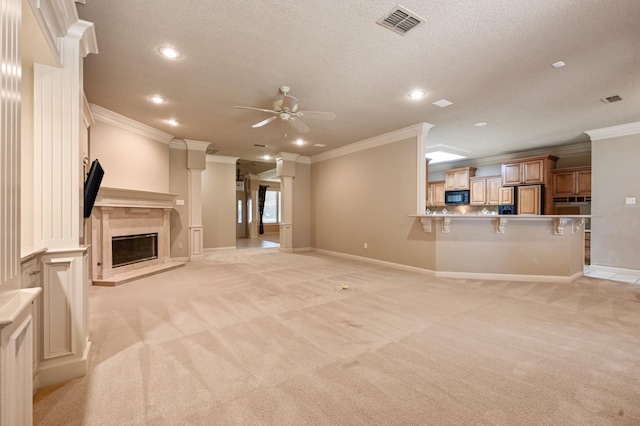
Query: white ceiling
{"points": [[491, 58]]}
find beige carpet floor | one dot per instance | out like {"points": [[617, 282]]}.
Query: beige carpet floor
{"points": [[259, 337]]}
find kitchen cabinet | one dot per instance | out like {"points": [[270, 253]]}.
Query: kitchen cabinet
{"points": [[456, 179], [529, 199], [571, 182], [506, 196], [485, 190], [436, 194], [528, 171]]}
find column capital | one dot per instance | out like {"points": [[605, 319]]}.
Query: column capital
{"points": [[286, 164]]}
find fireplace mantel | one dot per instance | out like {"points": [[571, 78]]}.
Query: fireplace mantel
{"points": [[120, 212], [118, 197]]}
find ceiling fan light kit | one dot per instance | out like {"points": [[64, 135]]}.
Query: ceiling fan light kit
{"points": [[286, 108]]}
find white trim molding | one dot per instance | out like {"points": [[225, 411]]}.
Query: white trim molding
{"points": [[211, 158], [614, 131], [196, 145], [109, 117], [384, 139]]}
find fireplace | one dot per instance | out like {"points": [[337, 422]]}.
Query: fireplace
{"points": [[130, 249], [130, 235]]}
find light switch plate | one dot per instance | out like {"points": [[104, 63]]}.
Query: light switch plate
{"points": [[631, 200], [179, 202]]}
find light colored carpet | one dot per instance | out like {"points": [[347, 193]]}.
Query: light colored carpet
{"points": [[259, 337]]}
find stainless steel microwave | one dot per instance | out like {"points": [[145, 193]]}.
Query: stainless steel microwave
{"points": [[456, 197]]}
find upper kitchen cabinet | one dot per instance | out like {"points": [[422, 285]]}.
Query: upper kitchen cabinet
{"points": [[571, 182], [455, 179], [435, 194], [528, 171], [485, 190]]}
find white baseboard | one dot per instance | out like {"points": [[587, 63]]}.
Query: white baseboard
{"points": [[376, 261], [63, 371], [302, 249], [460, 275], [611, 269]]}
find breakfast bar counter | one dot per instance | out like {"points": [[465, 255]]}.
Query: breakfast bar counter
{"points": [[513, 247]]}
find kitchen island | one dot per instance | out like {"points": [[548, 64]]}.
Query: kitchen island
{"points": [[509, 247]]}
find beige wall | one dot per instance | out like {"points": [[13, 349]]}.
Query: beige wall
{"points": [[179, 184], [615, 227], [302, 207], [219, 204], [129, 160], [367, 197]]}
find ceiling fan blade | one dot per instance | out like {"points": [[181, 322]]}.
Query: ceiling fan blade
{"points": [[319, 115], [299, 125], [257, 109], [263, 122], [289, 103]]}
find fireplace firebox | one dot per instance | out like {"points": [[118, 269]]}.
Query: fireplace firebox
{"points": [[129, 249]]}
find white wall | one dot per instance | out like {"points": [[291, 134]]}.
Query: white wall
{"points": [[130, 160]]}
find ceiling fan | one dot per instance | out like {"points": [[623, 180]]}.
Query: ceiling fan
{"points": [[286, 108]]}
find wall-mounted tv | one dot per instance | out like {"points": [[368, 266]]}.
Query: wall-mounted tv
{"points": [[91, 186]]}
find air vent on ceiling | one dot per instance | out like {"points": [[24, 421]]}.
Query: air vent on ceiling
{"points": [[400, 20], [612, 99], [259, 145]]}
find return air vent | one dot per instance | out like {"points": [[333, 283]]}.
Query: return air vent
{"points": [[612, 99], [400, 20]]}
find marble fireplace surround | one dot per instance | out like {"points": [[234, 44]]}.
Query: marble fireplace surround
{"points": [[119, 212]]}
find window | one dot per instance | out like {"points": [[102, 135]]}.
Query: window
{"points": [[271, 207]]}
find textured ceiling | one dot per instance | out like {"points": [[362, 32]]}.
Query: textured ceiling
{"points": [[491, 58]]}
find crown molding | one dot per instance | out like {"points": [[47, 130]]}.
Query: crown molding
{"points": [[221, 159], [614, 131], [286, 156], [86, 32], [178, 144], [197, 145], [109, 117], [397, 135], [303, 159]]}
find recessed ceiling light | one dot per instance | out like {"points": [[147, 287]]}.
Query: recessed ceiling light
{"points": [[157, 99], [558, 64], [266, 157], [417, 94], [480, 124], [443, 103], [319, 145], [299, 142], [442, 156], [169, 52], [173, 122]]}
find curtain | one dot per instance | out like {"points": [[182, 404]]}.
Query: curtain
{"points": [[262, 195]]}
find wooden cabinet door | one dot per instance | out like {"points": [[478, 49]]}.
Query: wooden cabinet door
{"points": [[462, 179], [438, 194], [533, 171], [583, 182], [493, 190], [511, 174], [506, 196], [564, 184], [478, 191], [529, 199]]}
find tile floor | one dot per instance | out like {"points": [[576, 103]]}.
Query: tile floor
{"points": [[633, 279]]}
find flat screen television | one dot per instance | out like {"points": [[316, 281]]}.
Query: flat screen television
{"points": [[91, 186]]}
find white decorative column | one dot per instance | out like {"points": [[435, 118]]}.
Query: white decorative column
{"points": [[254, 185], [196, 163], [286, 171], [421, 147], [16, 322], [58, 183]]}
